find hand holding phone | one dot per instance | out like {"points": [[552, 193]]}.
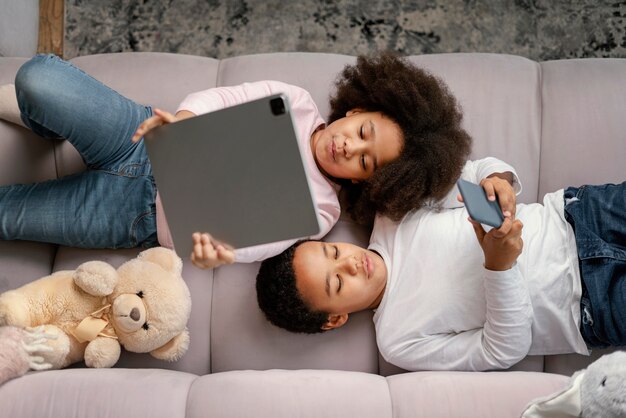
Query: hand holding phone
{"points": [[479, 207]]}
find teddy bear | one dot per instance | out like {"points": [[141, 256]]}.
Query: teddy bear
{"points": [[597, 391], [91, 312]]}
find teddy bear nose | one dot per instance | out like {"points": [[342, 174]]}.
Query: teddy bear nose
{"points": [[134, 314]]}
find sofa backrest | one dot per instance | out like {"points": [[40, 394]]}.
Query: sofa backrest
{"points": [[557, 123]]}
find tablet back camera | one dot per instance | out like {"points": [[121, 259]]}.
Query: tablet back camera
{"points": [[278, 106]]}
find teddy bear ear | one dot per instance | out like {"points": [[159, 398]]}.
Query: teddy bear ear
{"points": [[174, 349], [163, 257], [97, 278]]}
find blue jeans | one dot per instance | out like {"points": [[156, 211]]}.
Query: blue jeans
{"points": [[111, 204], [598, 217]]}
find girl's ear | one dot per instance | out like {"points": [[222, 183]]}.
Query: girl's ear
{"points": [[335, 321], [354, 112]]}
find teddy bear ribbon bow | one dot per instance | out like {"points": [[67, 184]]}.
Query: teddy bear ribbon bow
{"points": [[94, 325]]}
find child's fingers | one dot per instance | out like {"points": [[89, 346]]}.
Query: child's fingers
{"points": [[506, 199], [225, 255], [209, 253], [516, 228], [159, 118], [196, 262], [505, 205], [478, 230], [504, 229], [165, 116], [208, 250], [145, 126], [489, 189], [197, 250]]}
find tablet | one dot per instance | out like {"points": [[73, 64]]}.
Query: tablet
{"points": [[480, 208], [236, 173]]}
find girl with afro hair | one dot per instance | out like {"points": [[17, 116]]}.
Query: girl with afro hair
{"points": [[435, 145], [393, 142]]}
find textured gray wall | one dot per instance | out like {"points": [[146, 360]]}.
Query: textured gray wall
{"points": [[19, 24], [537, 29]]}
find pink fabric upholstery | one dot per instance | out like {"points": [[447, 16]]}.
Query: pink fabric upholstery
{"points": [[273, 394], [97, 393], [467, 394], [583, 128], [290, 393]]}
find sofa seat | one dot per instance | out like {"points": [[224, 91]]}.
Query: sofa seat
{"points": [[272, 393]]}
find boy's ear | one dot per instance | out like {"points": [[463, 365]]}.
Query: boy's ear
{"points": [[335, 321], [353, 111]]}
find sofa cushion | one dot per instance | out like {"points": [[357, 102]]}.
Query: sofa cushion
{"points": [[273, 393], [152, 78], [287, 394], [469, 394], [24, 157], [583, 123], [21, 262], [97, 393]]}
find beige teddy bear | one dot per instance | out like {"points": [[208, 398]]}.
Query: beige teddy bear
{"points": [[94, 310]]}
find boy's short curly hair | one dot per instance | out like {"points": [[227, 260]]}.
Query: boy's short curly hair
{"points": [[435, 145], [279, 298]]}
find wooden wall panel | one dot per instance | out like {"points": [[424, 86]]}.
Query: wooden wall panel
{"points": [[51, 26]]}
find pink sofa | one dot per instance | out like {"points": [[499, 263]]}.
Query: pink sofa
{"points": [[559, 123]]}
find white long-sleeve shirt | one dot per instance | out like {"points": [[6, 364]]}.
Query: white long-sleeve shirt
{"points": [[475, 171], [442, 310], [306, 118]]}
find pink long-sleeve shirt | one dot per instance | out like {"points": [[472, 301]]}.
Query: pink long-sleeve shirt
{"points": [[306, 118]]}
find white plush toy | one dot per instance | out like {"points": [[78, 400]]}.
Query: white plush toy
{"points": [[599, 391], [20, 351]]}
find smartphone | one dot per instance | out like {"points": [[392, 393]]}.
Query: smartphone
{"points": [[478, 206]]}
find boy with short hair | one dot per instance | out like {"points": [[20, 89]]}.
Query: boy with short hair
{"points": [[445, 303]]}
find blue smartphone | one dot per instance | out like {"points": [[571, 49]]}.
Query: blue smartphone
{"points": [[478, 206]]}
